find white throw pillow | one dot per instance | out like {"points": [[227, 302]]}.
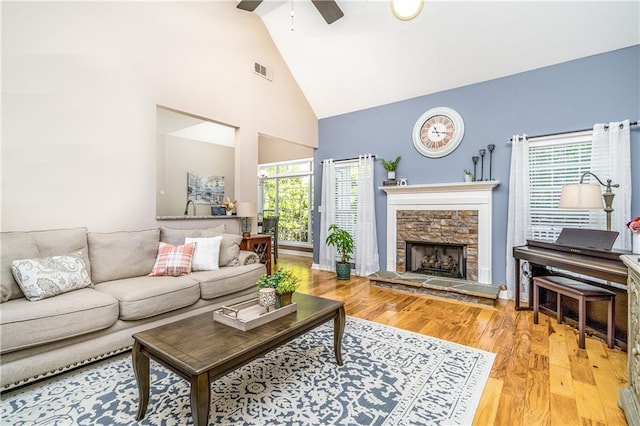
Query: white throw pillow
{"points": [[207, 253], [50, 276]]}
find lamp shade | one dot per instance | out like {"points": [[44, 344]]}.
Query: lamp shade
{"points": [[581, 196], [246, 209], [406, 10]]}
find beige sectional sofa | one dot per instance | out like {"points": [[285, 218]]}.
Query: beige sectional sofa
{"points": [[48, 336]]}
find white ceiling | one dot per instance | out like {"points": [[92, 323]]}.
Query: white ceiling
{"points": [[370, 58]]}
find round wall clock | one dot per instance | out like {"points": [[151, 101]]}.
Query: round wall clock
{"points": [[438, 132]]}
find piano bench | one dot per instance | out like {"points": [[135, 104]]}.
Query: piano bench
{"points": [[583, 293]]}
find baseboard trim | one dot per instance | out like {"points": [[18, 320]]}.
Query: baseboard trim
{"points": [[295, 252]]}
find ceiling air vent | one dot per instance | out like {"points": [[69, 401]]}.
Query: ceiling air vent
{"points": [[263, 71]]}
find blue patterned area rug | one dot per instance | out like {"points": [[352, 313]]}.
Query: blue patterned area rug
{"points": [[389, 377]]}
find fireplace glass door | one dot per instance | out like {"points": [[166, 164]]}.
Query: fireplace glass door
{"points": [[437, 259]]}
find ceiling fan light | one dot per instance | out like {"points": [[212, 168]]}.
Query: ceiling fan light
{"points": [[406, 10]]}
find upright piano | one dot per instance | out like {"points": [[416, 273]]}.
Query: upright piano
{"points": [[578, 254]]}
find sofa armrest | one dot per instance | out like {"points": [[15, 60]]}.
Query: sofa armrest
{"points": [[247, 258]]}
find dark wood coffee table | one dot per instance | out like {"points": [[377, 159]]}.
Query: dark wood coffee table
{"points": [[201, 350]]}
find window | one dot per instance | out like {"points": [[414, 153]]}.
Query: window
{"points": [[287, 191], [347, 196], [553, 162]]}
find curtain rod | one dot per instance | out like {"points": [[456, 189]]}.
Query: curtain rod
{"points": [[606, 127], [348, 159]]}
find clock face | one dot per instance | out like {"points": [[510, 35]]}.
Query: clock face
{"points": [[438, 132]]}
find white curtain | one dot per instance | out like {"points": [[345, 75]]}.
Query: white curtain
{"points": [[611, 159], [519, 207], [327, 255], [367, 261]]}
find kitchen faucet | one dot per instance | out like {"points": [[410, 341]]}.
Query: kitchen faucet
{"points": [[186, 208]]}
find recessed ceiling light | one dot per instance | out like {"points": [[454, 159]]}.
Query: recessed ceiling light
{"points": [[406, 9]]}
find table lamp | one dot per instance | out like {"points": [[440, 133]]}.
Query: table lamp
{"points": [[245, 211], [587, 196]]}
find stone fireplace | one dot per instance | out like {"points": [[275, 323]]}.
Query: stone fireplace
{"points": [[449, 221], [439, 228]]}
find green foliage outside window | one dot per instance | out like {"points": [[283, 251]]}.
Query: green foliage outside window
{"points": [[291, 204]]}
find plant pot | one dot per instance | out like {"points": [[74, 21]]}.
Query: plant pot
{"points": [[468, 178], [283, 299], [229, 212], [343, 270], [391, 175]]}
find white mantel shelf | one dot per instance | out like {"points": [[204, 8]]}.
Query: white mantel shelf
{"points": [[442, 187], [444, 196]]}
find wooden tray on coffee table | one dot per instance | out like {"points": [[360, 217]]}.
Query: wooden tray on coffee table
{"points": [[247, 315]]}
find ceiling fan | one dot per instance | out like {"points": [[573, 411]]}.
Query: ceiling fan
{"points": [[329, 9]]}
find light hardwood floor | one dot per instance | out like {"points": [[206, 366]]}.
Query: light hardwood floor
{"points": [[540, 376]]}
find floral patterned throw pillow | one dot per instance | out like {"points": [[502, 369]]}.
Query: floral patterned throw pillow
{"points": [[49, 276]]}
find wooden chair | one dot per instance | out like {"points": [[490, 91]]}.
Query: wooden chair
{"points": [[583, 293], [270, 226]]}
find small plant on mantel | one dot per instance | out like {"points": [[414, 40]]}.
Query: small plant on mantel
{"points": [[390, 166]]}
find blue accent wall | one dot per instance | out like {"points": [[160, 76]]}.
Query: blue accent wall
{"points": [[569, 96]]}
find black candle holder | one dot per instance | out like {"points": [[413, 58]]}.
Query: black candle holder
{"points": [[482, 153], [491, 147], [475, 159]]}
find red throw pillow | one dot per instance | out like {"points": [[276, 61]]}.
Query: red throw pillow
{"points": [[173, 260]]}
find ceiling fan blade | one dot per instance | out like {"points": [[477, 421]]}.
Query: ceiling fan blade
{"points": [[249, 5], [329, 10]]}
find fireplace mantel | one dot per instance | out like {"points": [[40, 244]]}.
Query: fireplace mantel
{"points": [[487, 185], [444, 196]]}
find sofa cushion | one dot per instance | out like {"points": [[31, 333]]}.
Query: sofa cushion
{"points": [[207, 253], [173, 260], [144, 297], [176, 236], [34, 244], [229, 249], [49, 276], [24, 324], [119, 255], [228, 280]]}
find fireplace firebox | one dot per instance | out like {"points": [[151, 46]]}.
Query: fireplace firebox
{"points": [[437, 259]]}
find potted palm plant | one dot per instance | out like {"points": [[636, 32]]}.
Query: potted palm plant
{"points": [[390, 167], [343, 242], [284, 281]]}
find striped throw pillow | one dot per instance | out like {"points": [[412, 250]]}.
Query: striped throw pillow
{"points": [[173, 260]]}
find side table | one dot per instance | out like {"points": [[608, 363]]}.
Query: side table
{"points": [[629, 399], [261, 245]]}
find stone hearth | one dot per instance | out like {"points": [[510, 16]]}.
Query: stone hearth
{"points": [[462, 290]]}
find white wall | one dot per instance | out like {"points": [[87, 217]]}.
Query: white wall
{"points": [[272, 150], [80, 84]]}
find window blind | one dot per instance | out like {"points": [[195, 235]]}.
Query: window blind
{"points": [[347, 197], [551, 165]]}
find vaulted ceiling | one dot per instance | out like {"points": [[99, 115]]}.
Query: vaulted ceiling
{"points": [[370, 58]]}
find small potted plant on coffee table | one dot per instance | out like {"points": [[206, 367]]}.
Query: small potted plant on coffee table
{"points": [[343, 242], [284, 281]]}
